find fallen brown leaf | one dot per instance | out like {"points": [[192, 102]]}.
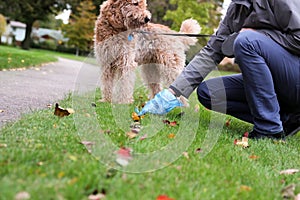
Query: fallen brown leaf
{"points": [[96, 196], [111, 172], [288, 191], [246, 134], [60, 175], [186, 154], [143, 137], [88, 145], [61, 112], [136, 127], [173, 123], [72, 158], [227, 123], [3, 145], [243, 143], [289, 171], [198, 150], [124, 156], [106, 131], [245, 188], [135, 117], [22, 196], [197, 108], [131, 134], [253, 157], [163, 197], [171, 135], [73, 181]]}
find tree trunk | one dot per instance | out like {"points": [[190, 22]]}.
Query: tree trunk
{"points": [[26, 42], [77, 51]]}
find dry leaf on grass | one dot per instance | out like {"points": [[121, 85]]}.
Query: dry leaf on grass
{"points": [[3, 145], [143, 137], [245, 188], [136, 127], [164, 197], [171, 135], [227, 123], [60, 175], [22, 196], [289, 171], [96, 196], [173, 123], [111, 172], [135, 117], [88, 145], [197, 108], [288, 191], [253, 157], [106, 132], [198, 150], [72, 158], [131, 134], [124, 156], [186, 154], [61, 112], [243, 143]]}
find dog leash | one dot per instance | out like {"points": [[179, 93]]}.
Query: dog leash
{"points": [[176, 34], [130, 36]]}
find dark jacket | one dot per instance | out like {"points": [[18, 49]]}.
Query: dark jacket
{"points": [[279, 19]]}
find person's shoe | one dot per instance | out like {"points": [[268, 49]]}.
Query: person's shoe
{"points": [[292, 125], [256, 135]]}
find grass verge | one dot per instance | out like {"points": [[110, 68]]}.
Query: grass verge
{"points": [[42, 155], [12, 58]]}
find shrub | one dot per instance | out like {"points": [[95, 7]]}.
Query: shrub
{"points": [[48, 44]]}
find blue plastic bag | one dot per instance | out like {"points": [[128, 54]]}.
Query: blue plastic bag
{"points": [[162, 103]]}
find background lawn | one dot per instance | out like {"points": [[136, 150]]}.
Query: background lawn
{"points": [[12, 58], [42, 155]]}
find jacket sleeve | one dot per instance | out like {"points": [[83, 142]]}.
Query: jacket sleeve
{"points": [[211, 55]]}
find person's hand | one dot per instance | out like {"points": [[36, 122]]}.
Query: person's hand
{"points": [[162, 103]]}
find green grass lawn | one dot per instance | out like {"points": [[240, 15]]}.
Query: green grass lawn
{"points": [[42, 155], [12, 58]]}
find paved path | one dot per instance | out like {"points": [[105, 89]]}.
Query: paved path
{"points": [[35, 88]]}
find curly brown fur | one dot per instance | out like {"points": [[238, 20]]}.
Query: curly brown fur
{"points": [[161, 57]]}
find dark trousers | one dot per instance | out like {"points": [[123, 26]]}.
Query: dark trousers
{"points": [[267, 90]]}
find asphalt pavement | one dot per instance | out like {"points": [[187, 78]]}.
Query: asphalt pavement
{"points": [[35, 88]]}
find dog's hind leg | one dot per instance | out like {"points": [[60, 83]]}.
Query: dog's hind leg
{"points": [[107, 79], [151, 76], [174, 63]]}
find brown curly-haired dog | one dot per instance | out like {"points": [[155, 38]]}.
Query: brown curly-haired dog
{"points": [[121, 46]]}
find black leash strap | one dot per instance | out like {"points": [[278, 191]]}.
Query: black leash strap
{"points": [[176, 34]]}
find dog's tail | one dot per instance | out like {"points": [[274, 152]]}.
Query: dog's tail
{"points": [[190, 26]]}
